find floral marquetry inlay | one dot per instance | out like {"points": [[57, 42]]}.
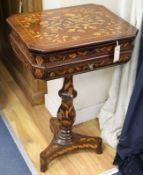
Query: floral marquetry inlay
{"points": [[69, 27], [62, 43]]}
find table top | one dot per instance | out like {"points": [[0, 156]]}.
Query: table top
{"points": [[70, 27]]}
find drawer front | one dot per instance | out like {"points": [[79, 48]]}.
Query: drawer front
{"points": [[56, 65], [79, 67], [81, 53]]}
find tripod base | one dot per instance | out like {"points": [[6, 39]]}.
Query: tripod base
{"points": [[78, 142]]}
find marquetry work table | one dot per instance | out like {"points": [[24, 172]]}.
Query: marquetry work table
{"points": [[64, 42]]}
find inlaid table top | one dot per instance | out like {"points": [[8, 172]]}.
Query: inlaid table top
{"points": [[71, 27]]}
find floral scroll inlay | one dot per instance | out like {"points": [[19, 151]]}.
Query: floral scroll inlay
{"points": [[39, 73], [72, 26], [39, 60]]}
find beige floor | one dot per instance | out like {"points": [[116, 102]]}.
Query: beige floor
{"points": [[31, 126]]}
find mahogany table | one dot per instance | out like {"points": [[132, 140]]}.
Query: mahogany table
{"points": [[64, 42]]}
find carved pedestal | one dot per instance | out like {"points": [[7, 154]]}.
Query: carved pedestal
{"points": [[66, 141]]}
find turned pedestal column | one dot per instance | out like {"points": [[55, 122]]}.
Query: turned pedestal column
{"points": [[64, 140]]}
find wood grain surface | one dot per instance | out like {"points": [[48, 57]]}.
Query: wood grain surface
{"points": [[34, 89], [70, 27]]}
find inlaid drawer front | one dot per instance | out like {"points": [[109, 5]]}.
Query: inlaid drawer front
{"points": [[78, 68], [52, 66], [82, 53]]}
